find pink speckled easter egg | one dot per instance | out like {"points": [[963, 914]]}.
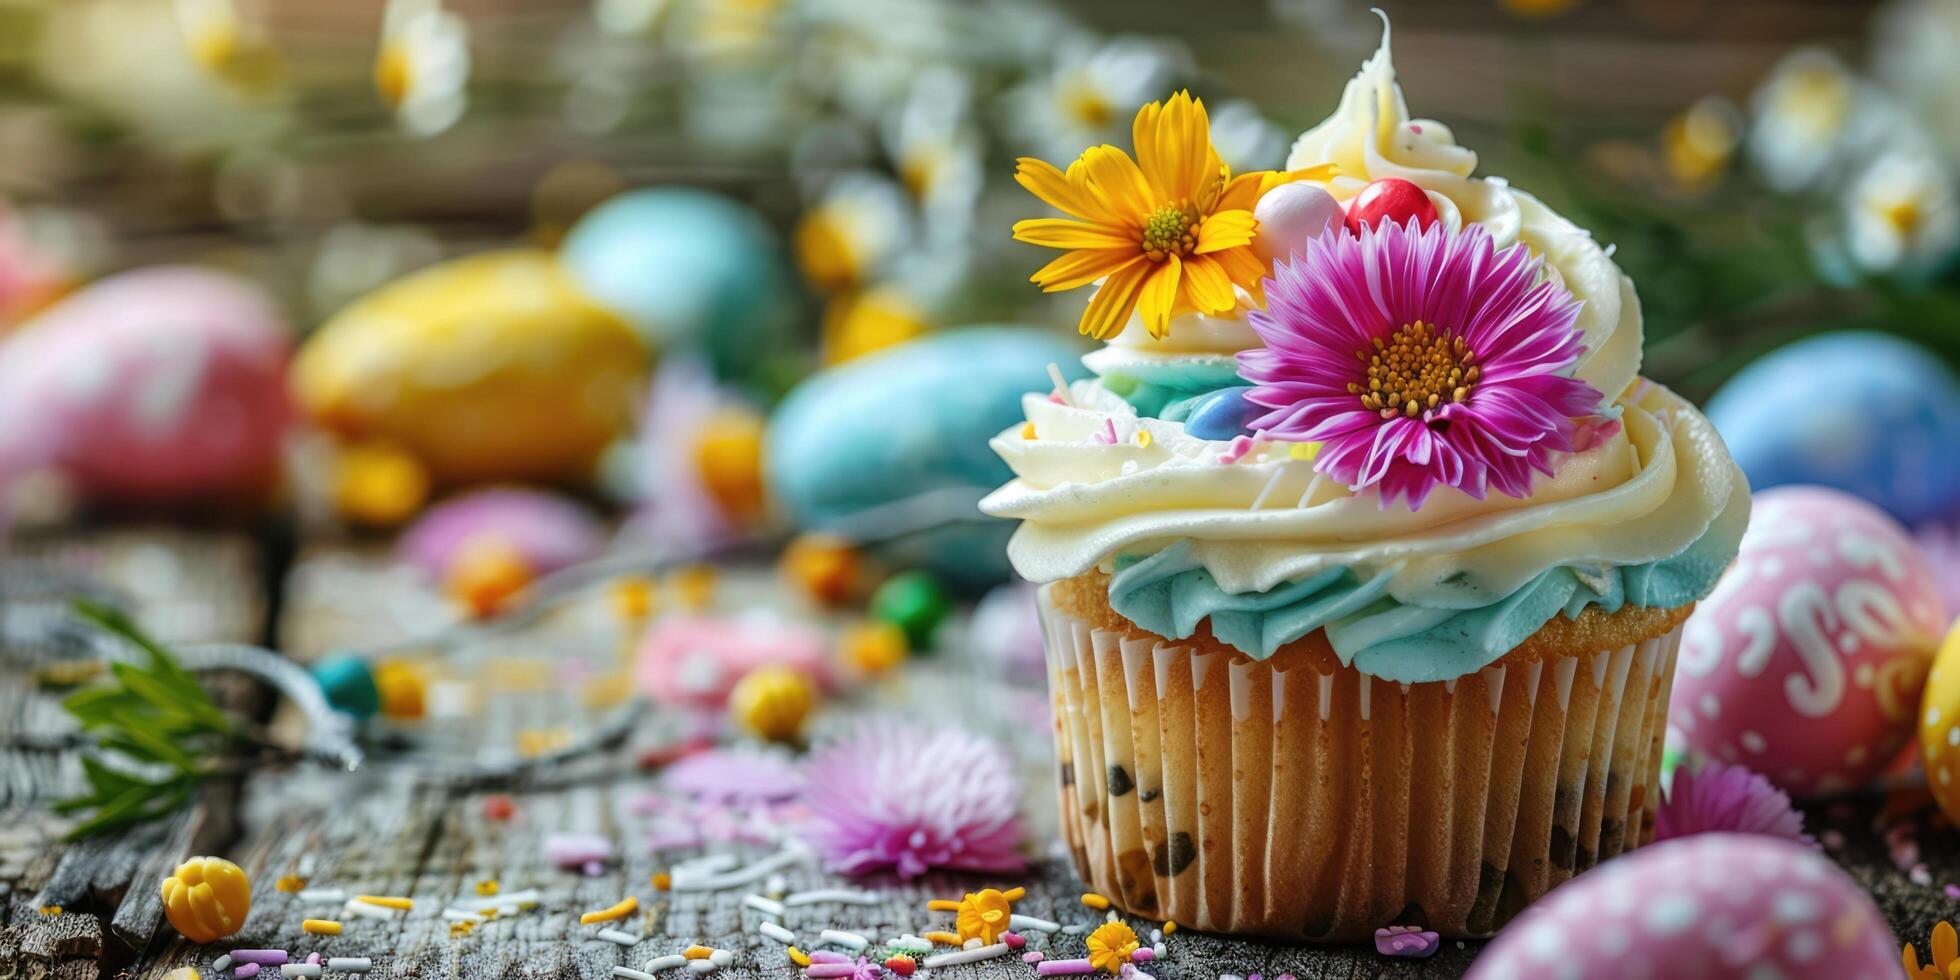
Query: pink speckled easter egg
{"points": [[160, 385], [695, 661], [1806, 663], [1707, 907]]}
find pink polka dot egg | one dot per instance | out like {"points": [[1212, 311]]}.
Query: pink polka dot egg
{"points": [[1704, 907], [1807, 662]]}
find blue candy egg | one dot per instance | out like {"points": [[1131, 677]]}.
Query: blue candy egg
{"points": [[909, 426], [348, 684], [1221, 415], [688, 269], [1866, 413]]}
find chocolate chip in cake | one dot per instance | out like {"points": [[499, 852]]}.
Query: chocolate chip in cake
{"points": [[1171, 858], [1120, 781]]}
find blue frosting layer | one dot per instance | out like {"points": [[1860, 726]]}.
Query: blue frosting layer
{"points": [[1168, 389], [1169, 593]]}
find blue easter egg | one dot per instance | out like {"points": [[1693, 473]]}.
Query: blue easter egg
{"points": [[1866, 413], [1221, 415], [348, 684], [900, 424], [688, 269]]}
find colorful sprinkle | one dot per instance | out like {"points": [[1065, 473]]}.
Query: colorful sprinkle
{"points": [[798, 957], [1411, 942], [289, 884], [618, 910], [1095, 901], [488, 887], [387, 901], [321, 927]]}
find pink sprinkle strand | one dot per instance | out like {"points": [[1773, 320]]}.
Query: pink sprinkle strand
{"points": [[1064, 968], [1033, 956], [245, 971]]}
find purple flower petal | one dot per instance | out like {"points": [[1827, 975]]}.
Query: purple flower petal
{"points": [[1720, 797]]}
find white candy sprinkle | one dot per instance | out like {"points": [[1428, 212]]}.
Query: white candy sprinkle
{"points": [[502, 903], [1074, 930], [1156, 935], [973, 943], [350, 964], [628, 973], [910, 943], [218, 965], [843, 895], [299, 969], [965, 956], [842, 938], [1029, 922], [323, 895], [458, 915], [721, 957], [369, 911], [776, 932], [706, 864], [702, 966], [776, 885], [618, 936], [744, 876], [763, 904], [667, 962], [1158, 950]]}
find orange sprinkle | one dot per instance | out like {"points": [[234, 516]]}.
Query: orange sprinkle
{"points": [[1014, 894], [289, 884], [1094, 900], [798, 957], [321, 927], [618, 910], [663, 881], [1169, 927], [697, 952], [50, 910], [1027, 430], [942, 905], [387, 901], [943, 938], [488, 886]]}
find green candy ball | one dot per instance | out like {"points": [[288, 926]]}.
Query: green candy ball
{"points": [[914, 602], [348, 685]]}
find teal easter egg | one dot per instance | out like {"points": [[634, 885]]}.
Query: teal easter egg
{"points": [[910, 424], [347, 684], [689, 270], [1867, 413]]}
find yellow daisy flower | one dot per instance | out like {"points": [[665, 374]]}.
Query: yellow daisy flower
{"points": [[1946, 956], [1110, 946], [1168, 232]]}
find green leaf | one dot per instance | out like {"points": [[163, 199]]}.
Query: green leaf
{"points": [[138, 805], [197, 709]]}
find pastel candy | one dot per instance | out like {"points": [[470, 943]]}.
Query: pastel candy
{"points": [[1807, 662], [490, 367], [1867, 413], [546, 530], [908, 421], [1707, 907], [1291, 215], [1939, 726], [696, 661], [1222, 415], [687, 269], [161, 385]]}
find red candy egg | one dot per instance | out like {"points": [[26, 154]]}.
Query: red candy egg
{"points": [[1393, 198]]}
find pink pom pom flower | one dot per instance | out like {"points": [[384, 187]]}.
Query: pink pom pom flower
{"points": [[1719, 797], [893, 795], [1420, 358]]}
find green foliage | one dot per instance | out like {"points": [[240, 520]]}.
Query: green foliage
{"points": [[155, 732]]}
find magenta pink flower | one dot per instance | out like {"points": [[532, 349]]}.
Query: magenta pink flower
{"points": [[1421, 358], [897, 796], [1719, 797]]}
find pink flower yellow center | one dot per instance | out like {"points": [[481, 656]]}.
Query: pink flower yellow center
{"points": [[1170, 230], [1418, 369]]}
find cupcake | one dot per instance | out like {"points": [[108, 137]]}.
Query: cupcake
{"points": [[1363, 558]]}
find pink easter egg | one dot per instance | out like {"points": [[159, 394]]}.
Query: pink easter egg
{"points": [[1707, 907], [163, 385], [1807, 661], [695, 661], [549, 531]]}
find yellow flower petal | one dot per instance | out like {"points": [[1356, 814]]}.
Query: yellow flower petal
{"points": [[1064, 233], [1053, 187], [1241, 266], [1174, 146], [1114, 301], [1946, 945], [1225, 229], [1207, 284], [1159, 296], [1117, 182], [1082, 267]]}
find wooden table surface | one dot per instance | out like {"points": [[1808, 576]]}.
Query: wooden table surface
{"points": [[409, 826]]}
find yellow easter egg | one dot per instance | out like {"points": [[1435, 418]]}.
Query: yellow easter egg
{"points": [[489, 367], [207, 899], [1939, 726], [773, 702]]}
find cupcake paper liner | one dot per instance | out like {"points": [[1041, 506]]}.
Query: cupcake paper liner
{"points": [[1235, 796]]}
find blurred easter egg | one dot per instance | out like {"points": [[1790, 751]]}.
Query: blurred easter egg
{"points": [[490, 367], [1807, 662], [912, 423], [1707, 907], [696, 661], [545, 531], [161, 385], [1867, 413], [688, 269], [1939, 726]]}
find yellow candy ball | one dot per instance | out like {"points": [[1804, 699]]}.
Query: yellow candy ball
{"points": [[207, 899], [403, 687], [1939, 726], [633, 598], [874, 647], [824, 567], [773, 702], [486, 576], [379, 486], [728, 456]]}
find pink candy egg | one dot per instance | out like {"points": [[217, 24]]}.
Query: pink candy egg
{"points": [[695, 661], [1708, 907], [547, 530], [1291, 215], [160, 385], [1807, 662], [1392, 198]]}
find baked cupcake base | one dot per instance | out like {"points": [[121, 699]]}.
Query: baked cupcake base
{"points": [[1298, 798]]}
